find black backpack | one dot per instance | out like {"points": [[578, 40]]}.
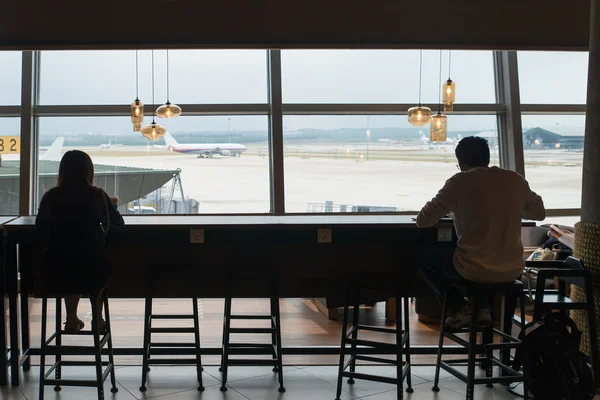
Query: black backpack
{"points": [[558, 370]]}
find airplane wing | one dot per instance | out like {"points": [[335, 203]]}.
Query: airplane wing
{"points": [[158, 146]]}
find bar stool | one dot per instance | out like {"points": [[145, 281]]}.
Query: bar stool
{"points": [[255, 276], [169, 348], [100, 340], [475, 293], [401, 331]]}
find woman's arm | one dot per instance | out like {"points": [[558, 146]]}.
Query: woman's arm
{"points": [[116, 220], [42, 220]]}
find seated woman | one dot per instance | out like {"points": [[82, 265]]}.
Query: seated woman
{"points": [[75, 216]]}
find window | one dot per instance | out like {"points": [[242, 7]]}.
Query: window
{"points": [[370, 163], [553, 77], [9, 166], [231, 177], [383, 76], [196, 77], [10, 78], [553, 149]]}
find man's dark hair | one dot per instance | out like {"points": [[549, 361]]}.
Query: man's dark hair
{"points": [[473, 151]]}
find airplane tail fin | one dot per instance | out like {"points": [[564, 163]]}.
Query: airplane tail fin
{"points": [[169, 140], [54, 152], [422, 135]]}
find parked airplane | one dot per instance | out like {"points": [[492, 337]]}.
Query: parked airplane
{"points": [[392, 141], [425, 139], [107, 145], [204, 149]]}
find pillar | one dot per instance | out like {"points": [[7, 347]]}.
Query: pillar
{"points": [[587, 232]]}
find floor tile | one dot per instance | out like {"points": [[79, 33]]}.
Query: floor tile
{"points": [[8, 393], [360, 388], [421, 392], [300, 385], [211, 393], [162, 380], [239, 373]]}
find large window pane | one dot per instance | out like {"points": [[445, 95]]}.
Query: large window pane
{"points": [[196, 76], [333, 165], [553, 77], [9, 166], [554, 157], [10, 78], [383, 76], [141, 173]]}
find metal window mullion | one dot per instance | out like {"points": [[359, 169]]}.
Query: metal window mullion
{"points": [[382, 109], [510, 131], [276, 132], [553, 109], [118, 110], [26, 162], [10, 111]]}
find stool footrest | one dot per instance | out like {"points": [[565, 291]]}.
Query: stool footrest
{"points": [[377, 345], [252, 330], [253, 345], [260, 317], [179, 345], [72, 350], [376, 359], [377, 329], [173, 330], [171, 316], [172, 361], [233, 361], [369, 377], [517, 377]]}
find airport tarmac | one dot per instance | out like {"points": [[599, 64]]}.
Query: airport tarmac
{"points": [[401, 176]]}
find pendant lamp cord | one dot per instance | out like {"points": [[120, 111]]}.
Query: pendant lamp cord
{"points": [[420, 73], [137, 77], [440, 86], [153, 87], [449, 63], [167, 75]]}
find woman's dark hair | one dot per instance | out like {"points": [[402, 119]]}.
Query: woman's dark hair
{"points": [[473, 151], [76, 170]]}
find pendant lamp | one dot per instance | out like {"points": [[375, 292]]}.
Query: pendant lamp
{"points": [[137, 107], [449, 88], [153, 131], [168, 110], [439, 122], [419, 116]]}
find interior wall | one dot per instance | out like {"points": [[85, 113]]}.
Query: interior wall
{"points": [[498, 24]]}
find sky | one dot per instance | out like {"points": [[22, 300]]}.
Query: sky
{"points": [[308, 76]]}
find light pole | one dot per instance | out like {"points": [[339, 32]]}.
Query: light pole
{"points": [[368, 141], [229, 134]]}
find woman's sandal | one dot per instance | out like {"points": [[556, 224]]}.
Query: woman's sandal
{"points": [[103, 330], [72, 330]]}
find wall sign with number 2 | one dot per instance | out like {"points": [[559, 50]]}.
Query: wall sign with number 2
{"points": [[10, 145]]}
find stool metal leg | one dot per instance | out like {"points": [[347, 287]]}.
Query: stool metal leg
{"points": [[438, 363], [58, 360], [111, 357], [273, 334], [279, 358], [524, 349], [197, 340], [472, 351], [343, 347], [355, 314], [488, 338], [146, 350], [589, 298], [225, 355], [400, 364], [97, 353], [43, 347], [406, 300]]}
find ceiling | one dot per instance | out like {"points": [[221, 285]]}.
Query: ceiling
{"points": [[472, 24]]}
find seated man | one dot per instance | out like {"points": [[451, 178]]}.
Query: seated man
{"points": [[487, 204]]}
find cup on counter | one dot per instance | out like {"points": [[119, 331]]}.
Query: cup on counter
{"points": [[114, 200]]}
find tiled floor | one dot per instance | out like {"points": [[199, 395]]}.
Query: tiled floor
{"points": [[255, 383]]}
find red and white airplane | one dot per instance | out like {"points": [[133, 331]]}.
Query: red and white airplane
{"points": [[205, 149]]}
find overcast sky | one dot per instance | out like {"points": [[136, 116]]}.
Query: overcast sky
{"points": [[308, 76]]}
